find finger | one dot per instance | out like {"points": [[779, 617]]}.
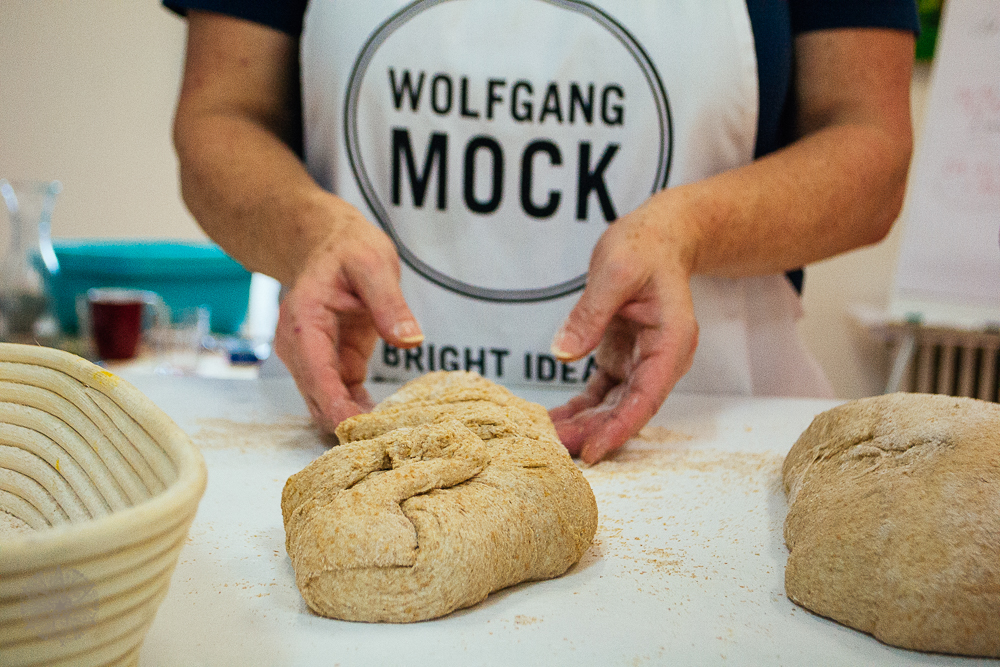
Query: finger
{"points": [[614, 358], [361, 398], [379, 290], [606, 427], [329, 400], [641, 395], [307, 348], [579, 431], [625, 420], [592, 394], [610, 285], [572, 431], [356, 341], [581, 332]]}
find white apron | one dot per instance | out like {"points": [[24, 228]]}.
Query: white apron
{"points": [[494, 141]]}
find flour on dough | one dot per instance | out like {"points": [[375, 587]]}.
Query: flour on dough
{"points": [[450, 489], [894, 521]]}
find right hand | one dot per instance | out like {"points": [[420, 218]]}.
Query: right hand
{"points": [[345, 296]]}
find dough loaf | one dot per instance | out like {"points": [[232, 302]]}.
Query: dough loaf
{"points": [[450, 489], [894, 521]]}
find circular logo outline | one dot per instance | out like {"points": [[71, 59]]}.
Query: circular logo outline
{"points": [[358, 71]]}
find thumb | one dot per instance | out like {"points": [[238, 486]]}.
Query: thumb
{"points": [[584, 327]]}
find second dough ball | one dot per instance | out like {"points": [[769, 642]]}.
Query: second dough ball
{"points": [[894, 521]]}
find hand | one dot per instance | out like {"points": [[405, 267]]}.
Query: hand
{"points": [[346, 295], [637, 311]]}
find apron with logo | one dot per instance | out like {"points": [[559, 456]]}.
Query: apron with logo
{"points": [[495, 140]]}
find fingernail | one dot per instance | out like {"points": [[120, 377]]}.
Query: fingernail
{"points": [[560, 342], [408, 332]]}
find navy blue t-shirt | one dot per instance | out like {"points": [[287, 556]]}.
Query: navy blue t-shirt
{"points": [[774, 22]]}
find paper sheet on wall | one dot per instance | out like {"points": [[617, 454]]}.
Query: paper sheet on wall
{"points": [[949, 264]]}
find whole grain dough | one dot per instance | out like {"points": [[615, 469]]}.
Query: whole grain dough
{"points": [[894, 521], [450, 489]]}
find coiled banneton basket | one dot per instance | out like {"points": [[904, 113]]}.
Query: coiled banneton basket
{"points": [[109, 486]]}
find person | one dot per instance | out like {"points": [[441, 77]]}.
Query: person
{"points": [[613, 194]]}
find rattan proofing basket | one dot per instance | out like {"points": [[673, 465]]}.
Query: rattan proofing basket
{"points": [[110, 485]]}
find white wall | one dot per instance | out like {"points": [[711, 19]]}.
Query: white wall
{"points": [[87, 93]]}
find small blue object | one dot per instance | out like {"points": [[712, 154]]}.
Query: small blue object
{"points": [[186, 274], [246, 352], [243, 357]]}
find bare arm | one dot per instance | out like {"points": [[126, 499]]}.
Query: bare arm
{"points": [[234, 124], [235, 119], [839, 186]]}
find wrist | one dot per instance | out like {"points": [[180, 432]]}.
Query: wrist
{"points": [[677, 214]]}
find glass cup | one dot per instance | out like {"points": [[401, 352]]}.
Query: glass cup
{"points": [[116, 319], [179, 346]]}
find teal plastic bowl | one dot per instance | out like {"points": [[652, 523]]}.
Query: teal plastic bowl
{"points": [[186, 274]]}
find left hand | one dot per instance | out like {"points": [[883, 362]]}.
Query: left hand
{"points": [[839, 186], [636, 310]]}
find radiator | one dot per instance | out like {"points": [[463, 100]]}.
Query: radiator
{"points": [[937, 360]]}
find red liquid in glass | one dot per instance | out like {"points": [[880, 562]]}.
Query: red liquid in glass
{"points": [[116, 326]]}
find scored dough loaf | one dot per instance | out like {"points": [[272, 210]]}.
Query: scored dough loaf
{"points": [[450, 489], [894, 521]]}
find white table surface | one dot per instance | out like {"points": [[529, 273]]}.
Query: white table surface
{"points": [[687, 567]]}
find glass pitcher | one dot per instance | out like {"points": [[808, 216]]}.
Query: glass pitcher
{"points": [[25, 252]]}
